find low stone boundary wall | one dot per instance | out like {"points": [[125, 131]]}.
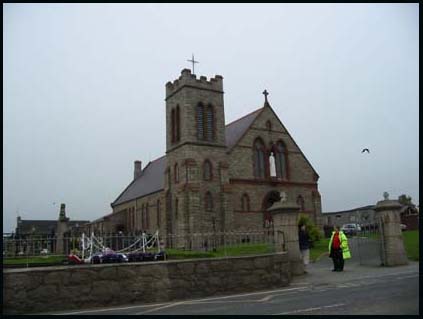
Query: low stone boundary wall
{"points": [[75, 287]]}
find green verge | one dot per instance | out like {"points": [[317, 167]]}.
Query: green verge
{"points": [[411, 244], [320, 247], [34, 260], [240, 250]]}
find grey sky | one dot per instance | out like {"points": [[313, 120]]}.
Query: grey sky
{"points": [[84, 90]]}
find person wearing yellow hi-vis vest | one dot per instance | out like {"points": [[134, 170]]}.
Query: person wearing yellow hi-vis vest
{"points": [[338, 249]]}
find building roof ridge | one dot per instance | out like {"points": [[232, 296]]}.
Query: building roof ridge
{"points": [[242, 117]]}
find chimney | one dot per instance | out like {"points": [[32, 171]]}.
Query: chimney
{"points": [[137, 169]]}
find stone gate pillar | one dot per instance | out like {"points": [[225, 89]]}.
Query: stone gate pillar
{"points": [[61, 230], [388, 213], [285, 225]]}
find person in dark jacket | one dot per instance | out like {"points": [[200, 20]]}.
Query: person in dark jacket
{"points": [[304, 241]]}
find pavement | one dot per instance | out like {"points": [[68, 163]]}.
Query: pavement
{"points": [[320, 272]]}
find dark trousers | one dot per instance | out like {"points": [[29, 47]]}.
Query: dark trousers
{"points": [[338, 259]]}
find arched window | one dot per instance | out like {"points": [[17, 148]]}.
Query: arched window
{"points": [[158, 213], [147, 217], [209, 123], [173, 125], [300, 202], [269, 126], [281, 160], [207, 170], [176, 207], [176, 173], [142, 217], [245, 203], [208, 202], [169, 178], [200, 121], [178, 125], [259, 159]]}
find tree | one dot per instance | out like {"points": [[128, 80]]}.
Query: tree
{"points": [[405, 200]]}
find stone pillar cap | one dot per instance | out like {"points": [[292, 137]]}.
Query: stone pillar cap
{"points": [[387, 204], [283, 206]]}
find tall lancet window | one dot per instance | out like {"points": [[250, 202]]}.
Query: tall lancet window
{"points": [[281, 160], [207, 170], [209, 123], [259, 163], [173, 126], [200, 121], [178, 125], [208, 202]]}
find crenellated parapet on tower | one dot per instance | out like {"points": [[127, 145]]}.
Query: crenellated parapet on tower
{"points": [[188, 79]]}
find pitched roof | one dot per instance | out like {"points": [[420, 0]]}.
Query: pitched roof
{"points": [[44, 226], [236, 129], [368, 207], [38, 226], [150, 181]]}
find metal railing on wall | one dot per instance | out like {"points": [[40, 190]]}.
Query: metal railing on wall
{"points": [[213, 244]]}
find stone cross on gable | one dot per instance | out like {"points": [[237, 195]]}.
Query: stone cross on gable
{"points": [[265, 96]]}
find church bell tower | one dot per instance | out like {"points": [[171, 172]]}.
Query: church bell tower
{"points": [[195, 134]]}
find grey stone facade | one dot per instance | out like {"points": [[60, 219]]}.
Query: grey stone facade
{"points": [[182, 204]]}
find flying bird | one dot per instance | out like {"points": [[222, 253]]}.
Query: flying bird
{"points": [[365, 150]]}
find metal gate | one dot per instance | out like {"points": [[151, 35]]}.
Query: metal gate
{"points": [[366, 245]]}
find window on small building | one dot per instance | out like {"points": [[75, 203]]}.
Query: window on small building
{"points": [[176, 207], [207, 170], [208, 202], [245, 203]]}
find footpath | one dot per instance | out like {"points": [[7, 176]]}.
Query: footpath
{"points": [[320, 273]]}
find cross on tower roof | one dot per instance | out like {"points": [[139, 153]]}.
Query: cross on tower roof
{"points": [[265, 96], [193, 61]]}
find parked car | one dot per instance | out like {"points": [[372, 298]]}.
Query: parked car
{"points": [[403, 227], [140, 256], [350, 229], [107, 258]]}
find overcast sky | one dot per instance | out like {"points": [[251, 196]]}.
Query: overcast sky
{"points": [[84, 89]]}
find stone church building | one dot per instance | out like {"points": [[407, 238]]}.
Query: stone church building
{"points": [[214, 177]]}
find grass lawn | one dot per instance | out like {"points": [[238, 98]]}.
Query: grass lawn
{"points": [[240, 250], [319, 249], [411, 243], [34, 260]]}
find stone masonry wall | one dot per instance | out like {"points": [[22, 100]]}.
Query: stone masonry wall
{"points": [[66, 287]]}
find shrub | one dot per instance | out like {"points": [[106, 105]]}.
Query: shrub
{"points": [[313, 231]]}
